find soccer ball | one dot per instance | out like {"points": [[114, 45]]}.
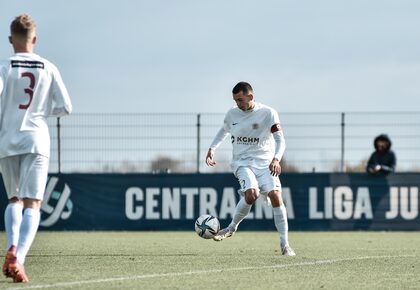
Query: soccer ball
{"points": [[207, 226]]}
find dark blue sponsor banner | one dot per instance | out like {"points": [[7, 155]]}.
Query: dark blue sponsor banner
{"points": [[173, 201]]}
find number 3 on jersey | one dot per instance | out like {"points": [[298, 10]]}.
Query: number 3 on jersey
{"points": [[29, 90]]}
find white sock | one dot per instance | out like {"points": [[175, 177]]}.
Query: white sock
{"points": [[241, 211], [28, 229], [12, 221], [280, 220]]}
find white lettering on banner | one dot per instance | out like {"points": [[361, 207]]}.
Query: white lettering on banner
{"points": [[171, 202], [404, 202], [406, 213], [208, 200], [363, 206], [152, 194], [189, 194], [154, 203], [287, 199], [175, 203], [261, 210], [132, 195], [342, 199], [313, 204], [228, 203], [328, 202], [393, 204], [343, 202]]}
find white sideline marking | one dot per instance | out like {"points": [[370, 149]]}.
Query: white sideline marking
{"points": [[174, 274]]}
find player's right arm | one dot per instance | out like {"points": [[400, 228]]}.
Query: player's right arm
{"points": [[210, 158], [218, 139]]}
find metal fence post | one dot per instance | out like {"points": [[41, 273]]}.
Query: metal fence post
{"points": [[198, 143], [343, 124], [59, 144]]}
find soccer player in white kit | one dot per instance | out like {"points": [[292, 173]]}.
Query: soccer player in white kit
{"points": [[257, 147], [31, 89]]}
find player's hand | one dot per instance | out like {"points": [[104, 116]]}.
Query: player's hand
{"points": [[209, 158], [275, 167]]}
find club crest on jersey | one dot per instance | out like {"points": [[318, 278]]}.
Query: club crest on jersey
{"points": [[255, 126]]}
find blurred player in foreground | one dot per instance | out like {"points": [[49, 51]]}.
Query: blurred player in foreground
{"points": [[31, 89], [258, 145]]}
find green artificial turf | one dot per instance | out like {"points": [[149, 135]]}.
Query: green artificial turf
{"points": [[248, 260]]}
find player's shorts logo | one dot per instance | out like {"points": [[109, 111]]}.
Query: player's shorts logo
{"points": [[56, 204]]}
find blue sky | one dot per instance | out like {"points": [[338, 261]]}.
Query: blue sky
{"points": [[185, 56]]}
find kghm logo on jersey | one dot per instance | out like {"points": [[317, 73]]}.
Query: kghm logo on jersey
{"points": [[56, 204], [247, 140]]}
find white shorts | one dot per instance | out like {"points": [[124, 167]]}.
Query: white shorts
{"points": [[261, 179], [25, 175]]}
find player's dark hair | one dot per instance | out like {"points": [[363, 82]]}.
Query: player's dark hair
{"points": [[22, 25], [243, 87]]}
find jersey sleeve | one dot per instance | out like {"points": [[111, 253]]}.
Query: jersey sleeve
{"points": [[1, 82], [221, 134], [3, 76], [277, 131], [219, 138], [61, 100], [280, 145], [226, 122], [274, 117]]}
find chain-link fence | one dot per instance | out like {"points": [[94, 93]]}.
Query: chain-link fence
{"points": [[321, 142]]}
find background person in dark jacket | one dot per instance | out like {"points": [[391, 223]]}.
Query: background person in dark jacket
{"points": [[383, 160]]}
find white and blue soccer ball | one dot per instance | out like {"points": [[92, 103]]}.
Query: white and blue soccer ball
{"points": [[207, 226]]}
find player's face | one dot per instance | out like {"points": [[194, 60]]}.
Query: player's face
{"points": [[244, 101]]}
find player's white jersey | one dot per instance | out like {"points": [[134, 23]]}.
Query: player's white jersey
{"points": [[251, 137], [31, 89]]}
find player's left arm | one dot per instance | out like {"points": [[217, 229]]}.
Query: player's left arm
{"points": [[61, 100], [280, 147]]}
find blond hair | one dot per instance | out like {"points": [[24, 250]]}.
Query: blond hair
{"points": [[23, 26]]}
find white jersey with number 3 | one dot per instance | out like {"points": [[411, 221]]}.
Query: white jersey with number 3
{"points": [[31, 89], [251, 136]]}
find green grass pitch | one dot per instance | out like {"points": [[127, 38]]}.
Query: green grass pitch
{"points": [[248, 260]]}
